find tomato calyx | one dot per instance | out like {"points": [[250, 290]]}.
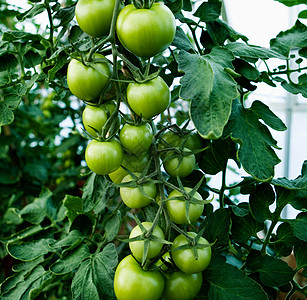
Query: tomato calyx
{"points": [[141, 4]]}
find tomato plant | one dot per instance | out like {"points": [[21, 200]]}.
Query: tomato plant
{"points": [[103, 157], [136, 139], [94, 16], [154, 246], [147, 31], [177, 207], [139, 195], [88, 81], [150, 98], [131, 282], [185, 259]]}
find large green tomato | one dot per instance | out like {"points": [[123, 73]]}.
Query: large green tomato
{"points": [[185, 260], [94, 118], [137, 247], [175, 165], [94, 16], [177, 208], [87, 82], [136, 139], [182, 286], [140, 196], [104, 157], [131, 282], [146, 32], [150, 98]]}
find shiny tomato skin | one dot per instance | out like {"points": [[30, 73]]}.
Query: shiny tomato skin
{"points": [[104, 157], [150, 98], [175, 167], [131, 282], [86, 82], [185, 260], [133, 197], [182, 286], [94, 117], [136, 139], [177, 208], [137, 247], [146, 32], [94, 16]]}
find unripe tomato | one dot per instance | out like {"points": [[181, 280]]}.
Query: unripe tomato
{"points": [[86, 82], [177, 207], [150, 98], [136, 139], [131, 282], [94, 117], [185, 260], [137, 197], [94, 16], [146, 32], [137, 247], [175, 165], [104, 157], [182, 286]]}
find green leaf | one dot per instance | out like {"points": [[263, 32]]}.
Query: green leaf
{"points": [[6, 115], [215, 157], [210, 89], [32, 12], [284, 196], [299, 200], [7, 62], [65, 15], [285, 235], [299, 226], [245, 69], [24, 233], [303, 14], [174, 5], [26, 251], [112, 226], [296, 88], [294, 38], [208, 11], [300, 254], [14, 36], [273, 272], [291, 2], [260, 200], [68, 240], [181, 40], [32, 59], [229, 283], [94, 278], [71, 260], [255, 154], [217, 227], [251, 51], [73, 205]]}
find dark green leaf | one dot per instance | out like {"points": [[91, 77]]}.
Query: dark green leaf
{"points": [[273, 272], [112, 226], [296, 37], [296, 88], [300, 253], [65, 14], [299, 200], [255, 154], [71, 238], [6, 115], [32, 59], [8, 62], [229, 283], [291, 2], [285, 235], [284, 196], [181, 40], [94, 278], [260, 200], [245, 69], [208, 11], [303, 14], [174, 5], [299, 226]]}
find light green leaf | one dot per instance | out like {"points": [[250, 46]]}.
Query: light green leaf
{"points": [[6, 115]]}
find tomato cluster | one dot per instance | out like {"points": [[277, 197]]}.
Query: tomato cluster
{"points": [[134, 153]]}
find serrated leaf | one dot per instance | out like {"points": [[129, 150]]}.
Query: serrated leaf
{"points": [[94, 278], [255, 154], [71, 260], [272, 271], [208, 11], [296, 37], [229, 283], [260, 200], [6, 115], [299, 226], [251, 51], [209, 88]]}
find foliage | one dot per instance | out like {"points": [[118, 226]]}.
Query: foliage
{"points": [[64, 228]]}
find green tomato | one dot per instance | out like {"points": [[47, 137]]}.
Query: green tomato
{"points": [[175, 165], [185, 260], [95, 16], [182, 286], [131, 282], [137, 247], [94, 118], [177, 208], [136, 139], [134, 163], [137, 197], [150, 98], [104, 157], [87, 82], [146, 32]]}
